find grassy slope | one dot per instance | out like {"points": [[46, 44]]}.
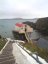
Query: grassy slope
{"points": [[34, 48], [2, 43]]}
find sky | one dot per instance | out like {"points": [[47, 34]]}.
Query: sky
{"points": [[23, 8]]}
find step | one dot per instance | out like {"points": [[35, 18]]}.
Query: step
{"points": [[6, 58], [7, 52], [9, 47], [11, 61], [8, 55]]}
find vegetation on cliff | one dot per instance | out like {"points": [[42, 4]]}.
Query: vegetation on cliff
{"points": [[42, 25]]}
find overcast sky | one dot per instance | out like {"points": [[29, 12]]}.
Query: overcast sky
{"points": [[23, 8]]}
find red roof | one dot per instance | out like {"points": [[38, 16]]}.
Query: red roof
{"points": [[20, 24]]}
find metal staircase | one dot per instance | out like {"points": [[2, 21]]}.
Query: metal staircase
{"points": [[27, 36]]}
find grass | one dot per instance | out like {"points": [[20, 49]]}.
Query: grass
{"points": [[31, 46], [42, 52], [2, 43]]}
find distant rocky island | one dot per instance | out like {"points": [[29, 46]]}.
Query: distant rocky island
{"points": [[12, 19], [18, 18]]}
